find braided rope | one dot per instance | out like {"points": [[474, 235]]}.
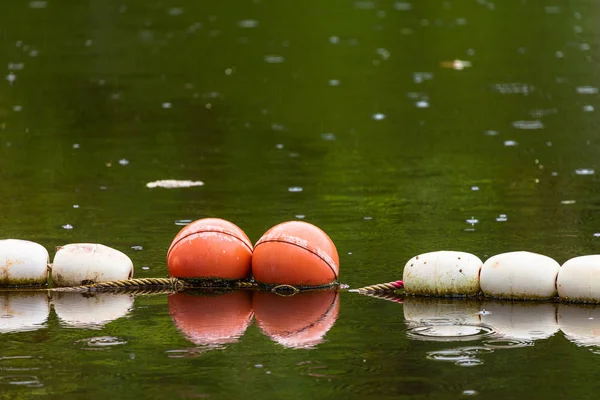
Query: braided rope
{"points": [[173, 284], [393, 297], [380, 288]]}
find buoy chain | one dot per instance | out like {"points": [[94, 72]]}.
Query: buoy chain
{"points": [[380, 287]]}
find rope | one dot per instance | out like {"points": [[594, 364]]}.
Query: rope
{"points": [[380, 288], [135, 284], [393, 297]]}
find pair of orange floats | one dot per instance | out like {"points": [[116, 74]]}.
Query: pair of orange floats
{"points": [[292, 253]]}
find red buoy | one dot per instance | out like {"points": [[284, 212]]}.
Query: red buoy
{"points": [[210, 248], [295, 253], [298, 321], [206, 320]]}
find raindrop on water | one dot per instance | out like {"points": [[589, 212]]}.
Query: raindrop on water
{"points": [[274, 59], [587, 90], [248, 23]]}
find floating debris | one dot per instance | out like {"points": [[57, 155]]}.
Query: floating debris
{"points": [[513, 88], [587, 90], [274, 59], [173, 184], [528, 125], [458, 65], [502, 218], [419, 77], [248, 23], [295, 189], [584, 171], [378, 116]]}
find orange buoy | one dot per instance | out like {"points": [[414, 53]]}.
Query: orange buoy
{"points": [[210, 248], [295, 253], [298, 321], [210, 320]]}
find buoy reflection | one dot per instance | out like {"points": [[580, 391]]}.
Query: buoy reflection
{"points": [[300, 321], [211, 319], [90, 310], [23, 311]]}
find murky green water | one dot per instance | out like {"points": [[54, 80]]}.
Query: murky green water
{"points": [[398, 127]]}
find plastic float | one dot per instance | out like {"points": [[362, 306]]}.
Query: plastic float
{"points": [[442, 273], [211, 320], [210, 248], [23, 311], [579, 279], [88, 263], [299, 321], [295, 253], [517, 275], [92, 311], [23, 263]]}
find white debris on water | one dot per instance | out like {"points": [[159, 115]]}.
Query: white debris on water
{"points": [[173, 184]]}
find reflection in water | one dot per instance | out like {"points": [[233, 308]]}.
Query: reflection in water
{"points": [[498, 324], [580, 323], [101, 342], [527, 321], [23, 311], [212, 319], [90, 310], [299, 321]]}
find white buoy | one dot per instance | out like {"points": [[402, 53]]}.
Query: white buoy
{"points": [[442, 273], [522, 321], [579, 279], [90, 310], [580, 323], [84, 263], [519, 275], [23, 263], [23, 311]]}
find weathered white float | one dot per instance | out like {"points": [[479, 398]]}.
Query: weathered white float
{"points": [[519, 275], [579, 279], [23, 263], [442, 273], [86, 263]]}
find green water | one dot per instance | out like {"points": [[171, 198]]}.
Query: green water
{"points": [[349, 115]]}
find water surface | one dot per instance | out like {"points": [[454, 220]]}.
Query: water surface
{"points": [[398, 127]]}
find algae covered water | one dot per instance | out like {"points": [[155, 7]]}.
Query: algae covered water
{"points": [[397, 127]]}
